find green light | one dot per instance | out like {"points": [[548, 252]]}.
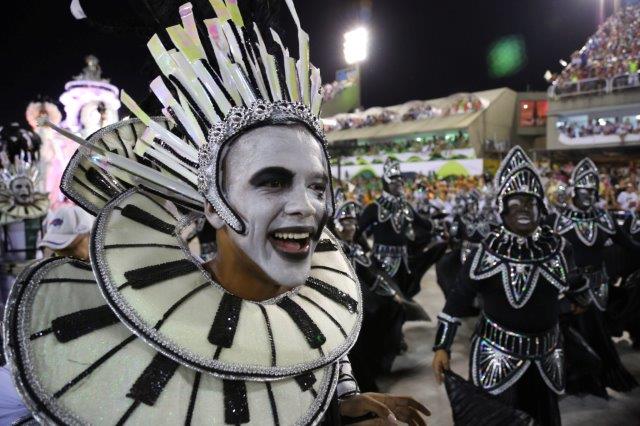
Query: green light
{"points": [[506, 56]]}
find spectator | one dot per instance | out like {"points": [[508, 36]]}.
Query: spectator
{"points": [[628, 199]]}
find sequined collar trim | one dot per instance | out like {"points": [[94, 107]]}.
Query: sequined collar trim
{"points": [[585, 223], [520, 263], [396, 209], [12, 212], [143, 265], [538, 247]]}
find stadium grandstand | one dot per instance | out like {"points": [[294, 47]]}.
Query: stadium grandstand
{"points": [[594, 102], [451, 135]]}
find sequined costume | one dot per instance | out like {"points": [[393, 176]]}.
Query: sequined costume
{"points": [[592, 232], [145, 334], [516, 350], [391, 220], [22, 212], [466, 233], [383, 316]]}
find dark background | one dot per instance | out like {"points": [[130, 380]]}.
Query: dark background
{"points": [[420, 49]]}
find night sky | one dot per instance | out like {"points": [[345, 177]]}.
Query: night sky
{"points": [[420, 49]]}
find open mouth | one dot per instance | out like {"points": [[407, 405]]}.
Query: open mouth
{"points": [[293, 243], [523, 220]]}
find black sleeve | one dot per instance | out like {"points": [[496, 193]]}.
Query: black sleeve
{"points": [[367, 219], [577, 284], [463, 291], [421, 222], [550, 220], [460, 296], [624, 239]]}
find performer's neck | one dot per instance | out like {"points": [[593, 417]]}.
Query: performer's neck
{"points": [[240, 275]]}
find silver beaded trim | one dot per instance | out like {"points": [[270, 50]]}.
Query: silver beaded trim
{"points": [[480, 362], [315, 410], [66, 183], [512, 271], [238, 120], [24, 320], [568, 219]]}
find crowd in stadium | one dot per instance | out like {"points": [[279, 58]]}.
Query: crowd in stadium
{"points": [[618, 185], [601, 126], [613, 50], [411, 111]]}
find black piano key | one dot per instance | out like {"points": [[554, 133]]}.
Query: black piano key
{"points": [[152, 381], [309, 329], [225, 322], [333, 293], [136, 214], [77, 324], [144, 277]]}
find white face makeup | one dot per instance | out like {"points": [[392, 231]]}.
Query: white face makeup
{"points": [[22, 190], [276, 180]]}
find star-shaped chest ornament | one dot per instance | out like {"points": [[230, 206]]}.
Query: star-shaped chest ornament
{"points": [[586, 224], [521, 261]]}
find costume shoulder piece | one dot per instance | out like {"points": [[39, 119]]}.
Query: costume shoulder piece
{"points": [[76, 363], [521, 261], [586, 224], [395, 209], [144, 267]]}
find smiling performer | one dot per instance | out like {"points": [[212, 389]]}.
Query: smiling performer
{"points": [[591, 231], [519, 271], [22, 211], [149, 333]]}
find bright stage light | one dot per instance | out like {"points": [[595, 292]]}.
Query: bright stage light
{"points": [[355, 46]]}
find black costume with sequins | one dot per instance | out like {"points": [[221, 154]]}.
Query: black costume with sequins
{"points": [[592, 233], [465, 235], [516, 347], [380, 337], [391, 221]]}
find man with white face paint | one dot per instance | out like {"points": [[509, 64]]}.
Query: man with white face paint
{"points": [[592, 232], [519, 271], [279, 188], [257, 335]]}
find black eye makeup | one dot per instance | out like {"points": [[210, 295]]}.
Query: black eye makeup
{"points": [[272, 177]]}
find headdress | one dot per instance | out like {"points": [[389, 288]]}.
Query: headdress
{"points": [[585, 175], [14, 140], [11, 208], [517, 175], [218, 82], [391, 170], [345, 209]]}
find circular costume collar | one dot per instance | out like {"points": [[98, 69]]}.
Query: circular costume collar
{"points": [[12, 212], [144, 268], [75, 363]]}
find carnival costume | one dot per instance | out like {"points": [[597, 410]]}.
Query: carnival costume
{"points": [[380, 337], [22, 211], [591, 232], [390, 219], [145, 335], [466, 233], [516, 349]]}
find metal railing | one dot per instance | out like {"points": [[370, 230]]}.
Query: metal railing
{"points": [[589, 86]]}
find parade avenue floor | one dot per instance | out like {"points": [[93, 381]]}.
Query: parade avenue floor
{"points": [[413, 376]]}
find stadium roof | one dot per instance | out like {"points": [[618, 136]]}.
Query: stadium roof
{"points": [[432, 124]]}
